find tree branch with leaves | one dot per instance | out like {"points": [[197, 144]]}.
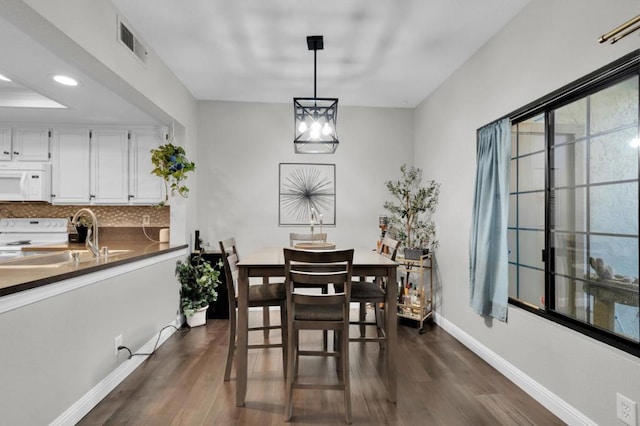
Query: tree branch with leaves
{"points": [[411, 210]]}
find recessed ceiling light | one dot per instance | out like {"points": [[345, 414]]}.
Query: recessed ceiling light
{"points": [[3, 78], [63, 79]]}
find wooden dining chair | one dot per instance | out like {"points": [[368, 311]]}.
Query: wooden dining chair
{"points": [[365, 292], [318, 312], [263, 295], [295, 238]]}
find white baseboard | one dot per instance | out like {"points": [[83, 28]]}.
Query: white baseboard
{"points": [[85, 404], [544, 396]]}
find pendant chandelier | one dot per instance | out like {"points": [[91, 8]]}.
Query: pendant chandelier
{"points": [[315, 118]]}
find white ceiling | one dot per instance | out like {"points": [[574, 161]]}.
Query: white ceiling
{"points": [[30, 66], [390, 53]]}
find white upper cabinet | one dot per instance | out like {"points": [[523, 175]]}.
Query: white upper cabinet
{"points": [[110, 166], [99, 166], [71, 166], [24, 144], [144, 187], [30, 144], [5, 143]]}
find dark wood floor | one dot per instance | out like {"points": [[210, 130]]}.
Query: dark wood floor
{"points": [[440, 382]]}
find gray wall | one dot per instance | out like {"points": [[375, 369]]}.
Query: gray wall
{"points": [[240, 148], [548, 45], [56, 350]]}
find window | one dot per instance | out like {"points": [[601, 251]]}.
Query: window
{"points": [[573, 227], [526, 212]]}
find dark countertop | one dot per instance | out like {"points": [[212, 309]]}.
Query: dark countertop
{"points": [[14, 280]]}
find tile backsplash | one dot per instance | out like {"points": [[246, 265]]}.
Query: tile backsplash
{"points": [[111, 216]]}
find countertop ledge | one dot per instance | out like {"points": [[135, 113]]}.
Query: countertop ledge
{"points": [[14, 280]]}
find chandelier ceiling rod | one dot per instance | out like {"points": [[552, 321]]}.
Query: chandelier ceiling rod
{"points": [[315, 43]]}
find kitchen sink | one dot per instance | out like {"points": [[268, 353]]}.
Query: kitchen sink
{"points": [[56, 259]]}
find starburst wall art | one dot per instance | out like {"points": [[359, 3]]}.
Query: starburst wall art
{"points": [[303, 186]]}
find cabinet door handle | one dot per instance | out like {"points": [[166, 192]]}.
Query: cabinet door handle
{"points": [[16, 153], [6, 152], [91, 196]]}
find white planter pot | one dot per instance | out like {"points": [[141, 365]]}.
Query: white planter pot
{"points": [[199, 318]]}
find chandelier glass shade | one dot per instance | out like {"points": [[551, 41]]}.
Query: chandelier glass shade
{"points": [[315, 118]]}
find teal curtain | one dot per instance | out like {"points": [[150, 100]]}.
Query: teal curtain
{"points": [[488, 251]]}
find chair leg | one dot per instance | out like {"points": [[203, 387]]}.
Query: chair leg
{"points": [[344, 357], [283, 332], [362, 317], [232, 345], [325, 334], [337, 336], [379, 313], [266, 321], [292, 373]]}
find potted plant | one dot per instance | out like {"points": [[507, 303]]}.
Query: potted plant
{"points": [[198, 280], [171, 164], [411, 210]]}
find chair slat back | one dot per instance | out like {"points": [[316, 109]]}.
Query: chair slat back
{"points": [[389, 248], [230, 259], [318, 267], [295, 238]]}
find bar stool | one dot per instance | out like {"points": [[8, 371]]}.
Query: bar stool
{"points": [[318, 312], [365, 292], [264, 295]]}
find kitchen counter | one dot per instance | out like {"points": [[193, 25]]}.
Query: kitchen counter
{"points": [[14, 280]]}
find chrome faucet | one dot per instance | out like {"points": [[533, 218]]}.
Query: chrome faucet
{"points": [[92, 246]]}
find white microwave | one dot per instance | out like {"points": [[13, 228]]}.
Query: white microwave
{"points": [[25, 181]]}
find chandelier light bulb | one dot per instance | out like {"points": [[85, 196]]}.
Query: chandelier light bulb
{"points": [[302, 127], [315, 130], [326, 129]]}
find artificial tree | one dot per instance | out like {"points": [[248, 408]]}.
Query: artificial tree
{"points": [[410, 219]]}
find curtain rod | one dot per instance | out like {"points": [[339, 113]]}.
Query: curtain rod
{"points": [[610, 35]]}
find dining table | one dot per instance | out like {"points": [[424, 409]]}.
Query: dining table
{"points": [[269, 262]]}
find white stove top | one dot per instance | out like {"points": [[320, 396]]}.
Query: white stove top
{"points": [[16, 233]]}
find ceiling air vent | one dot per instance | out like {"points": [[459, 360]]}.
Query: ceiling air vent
{"points": [[125, 35]]}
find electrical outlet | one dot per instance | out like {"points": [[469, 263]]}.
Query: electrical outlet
{"points": [[117, 342], [626, 410], [146, 219]]}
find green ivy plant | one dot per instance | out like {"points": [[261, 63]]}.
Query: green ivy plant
{"points": [[171, 164], [198, 280], [410, 219]]}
